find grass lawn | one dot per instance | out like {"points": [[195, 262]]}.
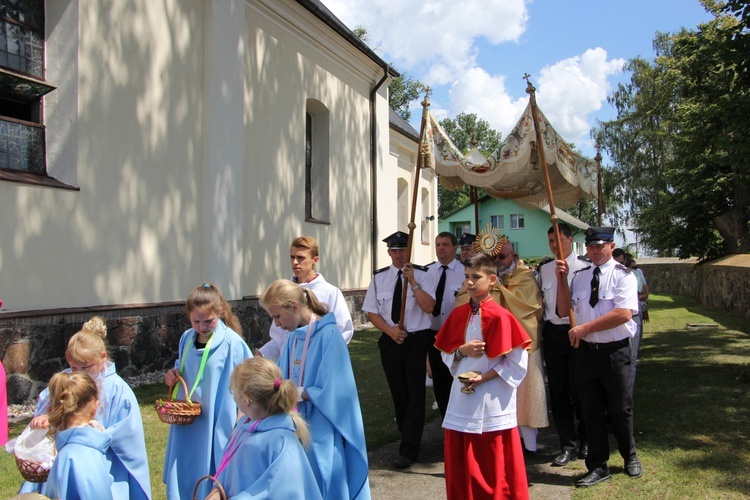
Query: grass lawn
{"points": [[692, 409]]}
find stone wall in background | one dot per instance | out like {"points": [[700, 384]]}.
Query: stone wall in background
{"points": [[722, 284], [141, 340]]}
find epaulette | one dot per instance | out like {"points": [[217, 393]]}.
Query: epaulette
{"points": [[381, 270], [431, 263], [623, 268], [582, 269], [584, 258], [421, 268]]}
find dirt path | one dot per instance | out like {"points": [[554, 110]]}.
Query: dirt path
{"points": [[424, 480]]}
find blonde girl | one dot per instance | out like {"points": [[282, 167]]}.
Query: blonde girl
{"points": [[265, 453], [118, 412], [207, 355], [81, 469], [316, 359]]}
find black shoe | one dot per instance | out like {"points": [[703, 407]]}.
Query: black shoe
{"points": [[583, 451], [563, 458], [402, 462], [633, 467], [593, 478]]}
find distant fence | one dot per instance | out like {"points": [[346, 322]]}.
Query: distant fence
{"points": [[722, 284]]}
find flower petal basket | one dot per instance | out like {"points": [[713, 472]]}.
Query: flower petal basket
{"points": [[177, 411], [32, 472]]}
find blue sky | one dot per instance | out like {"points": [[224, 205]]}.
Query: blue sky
{"points": [[473, 53]]}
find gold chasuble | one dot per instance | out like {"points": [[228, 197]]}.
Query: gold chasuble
{"points": [[520, 294]]}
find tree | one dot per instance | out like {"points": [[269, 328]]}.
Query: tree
{"points": [[462, 130], [401, 92], [681, 140]]}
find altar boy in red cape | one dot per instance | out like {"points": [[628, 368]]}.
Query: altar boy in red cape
{"points": [[483, 451]]}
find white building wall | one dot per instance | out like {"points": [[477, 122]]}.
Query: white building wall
{"points": [[182, 123]]}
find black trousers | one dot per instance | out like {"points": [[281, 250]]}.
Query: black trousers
{"points": [[405, 370], [442, 380], [559, 360], [604, 379]]}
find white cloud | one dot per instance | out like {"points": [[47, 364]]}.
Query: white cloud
{"points": [[569, 91], [433, 39], [485, 95]]}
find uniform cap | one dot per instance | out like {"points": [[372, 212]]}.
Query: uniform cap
{"points": [[599, 235], [397, 240], [467, 240]]}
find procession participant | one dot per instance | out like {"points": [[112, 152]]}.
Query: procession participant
{"points": [[208, 353], [518, 292], [559, 355], [316, 359], [604, 299], [403, 352], [118, 412], [448, 273], [467, 246], [265, 457], [483, 451], [304, 255]]}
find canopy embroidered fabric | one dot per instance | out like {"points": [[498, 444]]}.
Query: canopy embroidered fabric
{"points": [[513, 171]]}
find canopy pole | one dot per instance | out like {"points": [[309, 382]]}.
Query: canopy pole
{"points": [[599, 200], [531, 90], [423, 151]]}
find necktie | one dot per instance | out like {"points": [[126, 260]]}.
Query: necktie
{"points": [[439, 293], [396, 303], [595, 287]]}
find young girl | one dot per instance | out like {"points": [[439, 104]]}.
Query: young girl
{"points": [[483, 451], [208, 353], [264, 457], [81, 469], [317, 360], [118, 412]]}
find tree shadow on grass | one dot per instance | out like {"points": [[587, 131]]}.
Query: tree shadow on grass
{"points": [[692, 395]]}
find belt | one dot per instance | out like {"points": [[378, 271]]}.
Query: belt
{"points": [[409, 334], [617, 344]]}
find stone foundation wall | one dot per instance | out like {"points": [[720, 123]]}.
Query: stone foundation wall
{"points": [[140, 339], [722, 284]]}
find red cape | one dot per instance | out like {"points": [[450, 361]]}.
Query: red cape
{"points": [[501, 330]]}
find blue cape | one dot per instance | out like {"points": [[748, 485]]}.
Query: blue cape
{"points": [[195, 450], [270, 463], [338, 454], [81, 470], [120, 415]]}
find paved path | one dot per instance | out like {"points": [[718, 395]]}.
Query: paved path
{"points": [[424, 480]]}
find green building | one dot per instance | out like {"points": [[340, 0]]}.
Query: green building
{"points": [[526, 227]]}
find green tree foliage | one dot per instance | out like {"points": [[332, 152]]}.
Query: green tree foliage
{"points": [[462, 130], [681, 141], [402, 91]]}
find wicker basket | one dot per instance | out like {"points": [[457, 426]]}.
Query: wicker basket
{"points": [[177, 411], [32, 472], [222, 493]]}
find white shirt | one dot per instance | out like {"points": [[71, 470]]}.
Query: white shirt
{"points": [[492, 407], [379, 297], [334, 301], [618, 289], [548, 283], [454, 279]]}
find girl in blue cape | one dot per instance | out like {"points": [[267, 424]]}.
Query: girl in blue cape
{"points": [[81, 470], [208, 353], [264, 458], [316, 359], [118, 412]]}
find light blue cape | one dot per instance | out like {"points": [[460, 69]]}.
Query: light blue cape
{"points": [[338, 454]]}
